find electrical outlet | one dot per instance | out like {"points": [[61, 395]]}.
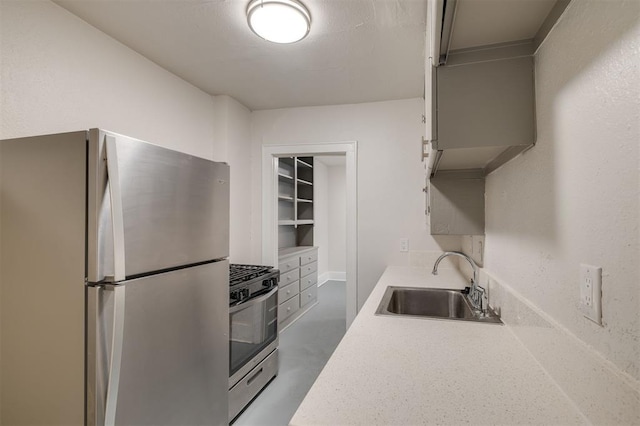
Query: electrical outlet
{"points": [[591, 292], [404, 244]]}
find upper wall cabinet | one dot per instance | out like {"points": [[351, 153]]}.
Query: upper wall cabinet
{"points": [[485, 113], [455, 203], [479, 100], [479, 80]]}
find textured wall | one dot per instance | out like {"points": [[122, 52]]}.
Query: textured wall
{"points": [[337, 219], [574, 198], [233, 145], [321, 207], [60, 74], [390, 174]]}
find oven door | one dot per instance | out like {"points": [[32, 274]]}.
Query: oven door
{"points": [[253, 333]]}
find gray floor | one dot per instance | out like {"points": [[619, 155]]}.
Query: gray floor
{"points": [[304, 349]]}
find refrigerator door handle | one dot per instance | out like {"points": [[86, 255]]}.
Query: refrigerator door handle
{"points": [[117, 217], [252, 302], [115, 358]]}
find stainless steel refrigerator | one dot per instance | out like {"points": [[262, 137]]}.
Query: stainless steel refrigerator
{"points": [[114, 283]]}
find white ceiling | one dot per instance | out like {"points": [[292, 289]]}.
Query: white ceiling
{"points": [[357, 50]]}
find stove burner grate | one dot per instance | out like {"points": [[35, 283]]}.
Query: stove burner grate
{"points": [[241, 273]]}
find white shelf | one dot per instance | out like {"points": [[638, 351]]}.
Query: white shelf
{"points": [[289, 222], [295, 202], [282, 175], [290, 251], [304, 163]]}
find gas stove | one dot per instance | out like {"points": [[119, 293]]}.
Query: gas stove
{"points": [[248, 281]]}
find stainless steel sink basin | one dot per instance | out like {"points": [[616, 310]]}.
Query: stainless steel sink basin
{"points": [[431, 303]]}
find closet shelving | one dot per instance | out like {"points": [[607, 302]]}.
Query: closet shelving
{"points": [[297, 257], [295, 202]]}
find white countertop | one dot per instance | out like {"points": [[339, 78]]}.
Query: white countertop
{"points": [[410, 371]]}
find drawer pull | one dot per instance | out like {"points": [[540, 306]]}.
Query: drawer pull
{"points": [[254, 377], [288, 292], [288, 309], [309, 296]]}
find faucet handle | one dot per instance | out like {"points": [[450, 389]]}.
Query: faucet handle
{"points": [[476, 295]]}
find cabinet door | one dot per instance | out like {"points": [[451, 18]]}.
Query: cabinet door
{"points": [[456, 204], [427, 201], [486, 104], [430, 103]]}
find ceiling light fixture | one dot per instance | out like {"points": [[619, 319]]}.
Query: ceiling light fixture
{"points": [[279, 21]]}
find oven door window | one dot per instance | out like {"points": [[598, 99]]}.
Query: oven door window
{"points": [[252, 327]]}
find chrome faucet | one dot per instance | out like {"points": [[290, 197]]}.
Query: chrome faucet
{"points": [[476, 293]]}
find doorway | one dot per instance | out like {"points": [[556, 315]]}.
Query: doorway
{"points": [[270, 155]]}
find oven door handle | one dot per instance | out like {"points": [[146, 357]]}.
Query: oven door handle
{"points": [[252, 302]]}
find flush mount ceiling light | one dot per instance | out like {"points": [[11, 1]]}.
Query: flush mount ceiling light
{"points": [[279, 21]]}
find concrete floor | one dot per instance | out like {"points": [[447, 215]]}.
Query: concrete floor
{"points": [[304, 349]]}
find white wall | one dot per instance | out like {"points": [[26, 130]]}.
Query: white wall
{"points": [[60, 74], [233, 143], [337, 213], [330, 217], [321, 226], [390, 174], [574, 198]]}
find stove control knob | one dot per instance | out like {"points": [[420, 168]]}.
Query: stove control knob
{"points": [[269, 283]]}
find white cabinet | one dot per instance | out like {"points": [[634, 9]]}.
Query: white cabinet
{"points": [[298, 283], [295, 202], [485, 113], [297, 258], [455, 203], [479, 114]]}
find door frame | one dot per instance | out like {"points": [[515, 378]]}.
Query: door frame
{"points": [[270, 153]]}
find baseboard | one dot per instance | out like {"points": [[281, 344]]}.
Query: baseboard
{"points": [[602, 392], [331, 276]]}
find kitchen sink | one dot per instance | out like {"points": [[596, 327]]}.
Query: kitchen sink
{"points": [[435, 303]]}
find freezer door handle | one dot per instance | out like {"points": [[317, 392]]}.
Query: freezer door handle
{"points": [[115, 358], [117, 218]]}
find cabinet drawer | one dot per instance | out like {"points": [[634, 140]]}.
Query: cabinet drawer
{"points": [[308, 257], [289, 277], [307, 269], [287, 292], [309, 280], [308, 296], [289, 263], [288, 308]]}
